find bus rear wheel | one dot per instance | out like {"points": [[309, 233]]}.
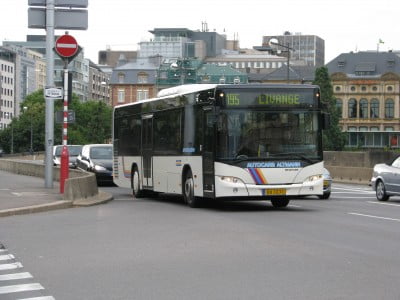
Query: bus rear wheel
{"points": [[280, 202], [188, 190], [135, 183]]}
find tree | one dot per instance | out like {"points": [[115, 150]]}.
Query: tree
{"points": [[92, 124], [333, 138]]}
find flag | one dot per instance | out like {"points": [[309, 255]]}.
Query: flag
{"points": [[381, 42]]}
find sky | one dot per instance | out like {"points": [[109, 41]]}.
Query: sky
{"points": [[345, 25]]}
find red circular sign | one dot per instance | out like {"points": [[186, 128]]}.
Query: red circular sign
{"points": [[66, 46]]}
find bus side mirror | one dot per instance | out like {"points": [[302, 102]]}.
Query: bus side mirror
{"points": [[326, 121]]}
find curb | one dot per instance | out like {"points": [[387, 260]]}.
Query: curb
{"points": [[100, 198], [36, 208]]}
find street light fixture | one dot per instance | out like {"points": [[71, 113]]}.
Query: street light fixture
{"points": [[273, 43]]}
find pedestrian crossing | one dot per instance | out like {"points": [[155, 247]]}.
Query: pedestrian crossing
{"points": [[15, 282]]}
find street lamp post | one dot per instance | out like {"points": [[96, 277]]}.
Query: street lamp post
{"points": [[12, 132], [30, 115], [274, 42]]}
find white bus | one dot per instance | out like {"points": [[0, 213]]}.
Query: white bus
{"points": [[244, 142]]}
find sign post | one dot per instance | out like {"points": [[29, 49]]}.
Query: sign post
{"points": [[67, 48]]}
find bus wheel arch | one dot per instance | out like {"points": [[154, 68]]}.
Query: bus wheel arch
{"points": [[135, 182], [188, 187]]}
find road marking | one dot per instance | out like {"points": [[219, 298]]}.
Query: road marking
{"points": [[364, 191], [21, 288], [40, 298], [15, 276], [6, 257], [374, 217], [16, 194], [4, 189], [293, 205], [3, 250], [12, 266], [349, 197], [382, 203]]}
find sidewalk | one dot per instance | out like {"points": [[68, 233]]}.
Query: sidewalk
{"points": [[20, 194]]}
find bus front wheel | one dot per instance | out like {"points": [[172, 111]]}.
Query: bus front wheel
{"points": [[136, 191], [188, 190], [280, 202]]}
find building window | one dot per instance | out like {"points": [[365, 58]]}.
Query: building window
{"points": [[353, 88], [352, 108], [143, 78], [121, 96], [337, 88], [121, 78], [142, 94], [374, 109], [363, 108], [389, 109], [339, 107], [389, 88], [374, 88], [363, 88]]}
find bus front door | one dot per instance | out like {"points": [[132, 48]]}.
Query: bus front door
{"points": [[147, 151], [208, 153]]}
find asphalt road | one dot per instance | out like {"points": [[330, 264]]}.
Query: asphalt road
{"points": [[346, 247]]}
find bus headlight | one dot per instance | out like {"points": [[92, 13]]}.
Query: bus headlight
{"points": [[230, 179], [314, 177]]}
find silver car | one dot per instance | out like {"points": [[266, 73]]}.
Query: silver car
{"points": [[385, 179]]}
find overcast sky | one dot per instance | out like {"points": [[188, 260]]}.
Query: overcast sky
{"points": [[345, 25]]}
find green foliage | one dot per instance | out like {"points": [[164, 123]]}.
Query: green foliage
{"points": [[333, 138], [92, 124]]}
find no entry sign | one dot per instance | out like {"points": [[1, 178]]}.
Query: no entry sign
{"points": [[66, 46]]}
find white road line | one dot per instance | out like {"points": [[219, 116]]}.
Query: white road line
{"points": [[374, 217], [3, 250], [12, 266], [383, 203], [6, 257], [15, 276], [293, 205], [39, 298], [20, 288]]}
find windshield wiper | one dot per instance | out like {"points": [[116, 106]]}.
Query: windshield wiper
{"points": [[296, 154]]}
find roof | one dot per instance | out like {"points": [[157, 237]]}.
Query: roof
{"points": [[301, 73], [370, 63]]}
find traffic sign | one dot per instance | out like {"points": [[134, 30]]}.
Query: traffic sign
{"points": [[54, 93], [66, 46]]}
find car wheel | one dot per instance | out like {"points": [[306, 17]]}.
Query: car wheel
{"points": [[381, 191], [188, 190], [280, 202], [135, 183], [325, 195]]}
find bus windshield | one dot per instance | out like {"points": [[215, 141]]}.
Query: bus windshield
{"points": [[268, 135]]}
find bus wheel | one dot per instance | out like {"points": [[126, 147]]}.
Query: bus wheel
{"points": [[136, 191], [188, 190], [280, 202]]}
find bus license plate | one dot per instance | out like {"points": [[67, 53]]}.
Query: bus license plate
{"points": [[275, 192]]}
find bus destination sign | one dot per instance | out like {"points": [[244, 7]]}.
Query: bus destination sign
{"points": [[269, 98]]}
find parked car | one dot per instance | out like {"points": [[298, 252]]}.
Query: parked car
{"points": [[385, 179], [73, 151], [327, 185], [1, 152], [97, 158]]}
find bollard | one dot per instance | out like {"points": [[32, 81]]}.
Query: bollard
{"points": [[64, 168]]}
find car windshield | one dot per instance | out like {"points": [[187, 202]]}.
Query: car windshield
{"points": [[72, 150], [266, 135], [101, 152]]}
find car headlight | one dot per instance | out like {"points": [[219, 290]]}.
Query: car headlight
{"points": [[99, 168], [314, 177]]}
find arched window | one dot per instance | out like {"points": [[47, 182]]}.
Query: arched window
{"points": [[389, 108], [339, 107], [374, 109], [352, 108], [363, 109]]}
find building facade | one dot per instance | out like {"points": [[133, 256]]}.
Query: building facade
{"points": [[307, 48], [133, 81], [366, 86], [7, 90]]}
